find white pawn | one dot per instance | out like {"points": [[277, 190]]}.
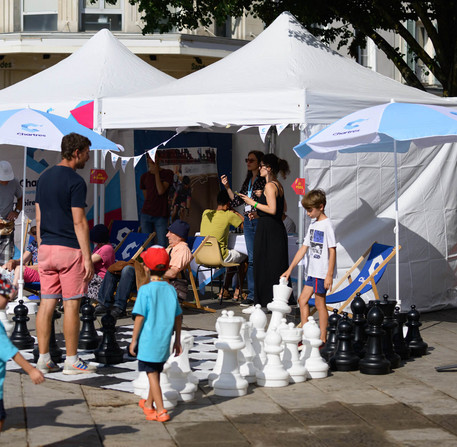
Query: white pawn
{"points": [[291, 358], [169, 395], [306, 346], [141, 385], [273, 374], [230, 383], [179, 373], [7, 324], [258, 334], [214, 374], [315, 365], [247, 354], [279, 306]]}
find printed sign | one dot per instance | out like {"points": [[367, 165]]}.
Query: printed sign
{"points": [[299, 186], [98, 176]]}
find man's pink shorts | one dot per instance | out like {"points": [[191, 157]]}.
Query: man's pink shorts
{"points": [[61, 272]]}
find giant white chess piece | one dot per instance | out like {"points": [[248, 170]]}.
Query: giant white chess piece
{"points": [[230, 382], [273, 373], [141, 385], [247, 354], [279, 306], [7, 324], [214, 374], [291, 358], [315, 365], [258, 334], [169, 395]]}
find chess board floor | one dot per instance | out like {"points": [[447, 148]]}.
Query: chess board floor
{"points": [[202, 358]]}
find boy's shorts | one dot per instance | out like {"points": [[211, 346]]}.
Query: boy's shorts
{"points": [[317, 284], [61, 272], [2, 411], [150, 366]]}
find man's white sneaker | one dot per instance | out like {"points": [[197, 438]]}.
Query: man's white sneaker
{"points": [[79, 367], [47, 367]]}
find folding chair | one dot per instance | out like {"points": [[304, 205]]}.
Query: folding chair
{"points": [[208, 258], [132, 245], [377, 258], [119, 229]]}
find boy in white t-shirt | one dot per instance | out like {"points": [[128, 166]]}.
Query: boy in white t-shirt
{"points": [[320, 240]]}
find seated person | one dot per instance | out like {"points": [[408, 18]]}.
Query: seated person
{"points": [[11, 270], [217, 223], [102, 257], [118, 286]]}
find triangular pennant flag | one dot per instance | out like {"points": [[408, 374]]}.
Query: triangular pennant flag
{"points": [[137, 159], [114, 159], [124, 161], [244, 128], [280, 128], [263, 130], [152, 153]]}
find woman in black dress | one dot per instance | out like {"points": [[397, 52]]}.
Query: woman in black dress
{"points": [[270, 242]]}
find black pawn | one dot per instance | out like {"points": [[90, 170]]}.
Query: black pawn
{"points": [[413, 338], [345, 358], [400, 345], [329, 348], [389, 324], [21, 337], [88, 337], [374, 362], [359, 308], [109, 351], [54, 350]]}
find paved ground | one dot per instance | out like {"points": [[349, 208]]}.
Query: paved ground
{"points": [[414, 406]]}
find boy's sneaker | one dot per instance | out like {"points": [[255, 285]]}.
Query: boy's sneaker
{"points": [[79, 367], [163, 416], [47, 367], [246, 303]]}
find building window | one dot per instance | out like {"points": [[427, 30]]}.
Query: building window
{"points": [[98, 14], [39, 16]]}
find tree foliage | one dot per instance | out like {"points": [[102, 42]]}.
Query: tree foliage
{"points": [[348, 22]]}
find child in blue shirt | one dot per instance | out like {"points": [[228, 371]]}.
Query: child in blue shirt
{"points": [[8, 350], [157, 314]]}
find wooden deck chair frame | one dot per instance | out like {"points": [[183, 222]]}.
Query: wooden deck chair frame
{"points": [[370, 279], [210, 246]]}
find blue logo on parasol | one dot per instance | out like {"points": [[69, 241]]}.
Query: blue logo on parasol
{"points": [[353, 125], [30, 127]]}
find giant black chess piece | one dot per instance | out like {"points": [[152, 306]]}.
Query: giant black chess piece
{"points": [[329, 348], [374, 362], [345, 358], [400, 345], [109, 351], [88, 337], [389, 324], [359, 309], [54, 350], [21, 337], [413, 337]]}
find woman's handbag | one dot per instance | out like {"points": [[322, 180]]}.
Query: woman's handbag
{"points": [[181, 286]]}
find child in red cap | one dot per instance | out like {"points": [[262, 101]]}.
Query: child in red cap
{"points": [[157, 315]]}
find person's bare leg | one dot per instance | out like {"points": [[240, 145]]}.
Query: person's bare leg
{"points": [[305, 295], [43, 323], [155, 392], [71, 325], [323, 315]]}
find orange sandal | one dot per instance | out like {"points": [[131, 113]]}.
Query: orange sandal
{"points": [[146, 411], [163, 416]]}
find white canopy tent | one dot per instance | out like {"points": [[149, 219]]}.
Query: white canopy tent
{"points": [[101, 68], [286, 76]]}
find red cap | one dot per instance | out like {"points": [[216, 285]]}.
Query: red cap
{"points": [[156, 258]]}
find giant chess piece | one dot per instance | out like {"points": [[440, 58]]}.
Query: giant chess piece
{"points": [[400, 345], [247, 354], [54, 350], [374, 362], [345, 358], [258, 334], [329, 348], [315, 365], [88, 337], [279, 306], [109, 351], [291, 336], [214, 374], [31, 306], [230, 382], [359, 309], [169, 395], [141, 385], [413, 337], [21, 337], [181, 377], [7, 324], [389, 324], [273, 373]]}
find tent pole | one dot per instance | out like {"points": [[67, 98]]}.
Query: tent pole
{"points": [[301, 223], [21, 262], [397, 232], [102, 187]]}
